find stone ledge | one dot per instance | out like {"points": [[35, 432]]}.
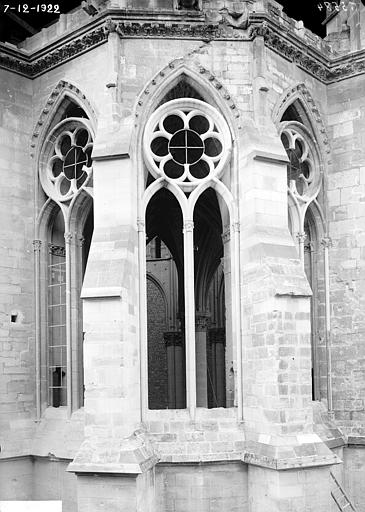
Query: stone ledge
{"points": [[356, 441], [326, 428], [132, 455], [299, 456], [100, 292]]}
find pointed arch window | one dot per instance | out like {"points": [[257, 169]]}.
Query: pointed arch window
{"points": [[65, 228], [186, 147], [304, 178]]}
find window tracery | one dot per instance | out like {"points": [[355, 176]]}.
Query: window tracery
{"points": [[304, 179], [186, 148], [65, 170], [187, 142], [303, 170], [67, 165]]}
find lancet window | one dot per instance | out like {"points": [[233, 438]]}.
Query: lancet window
{"points": [[65, 227], [187, 146]]}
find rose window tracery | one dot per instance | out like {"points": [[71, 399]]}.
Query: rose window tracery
{"points": [[186, 142], [67, 165]]}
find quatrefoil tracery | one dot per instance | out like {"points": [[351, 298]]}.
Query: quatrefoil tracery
{"points": [[186, 142], [301, 166]]}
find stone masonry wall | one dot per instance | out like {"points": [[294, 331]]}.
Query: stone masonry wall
{"points": [[354, 471], [17, 372], [235, 65], [203, 488], [346, 203], [157, 353]]}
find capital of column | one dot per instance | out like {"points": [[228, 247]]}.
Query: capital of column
{"points": [[173, 338], [81, 240], [201, 322], [301, 237], [188, 226], [226, 236], [326, 242], [141, 226], [68, 237], [37, 244], [236, 227]]}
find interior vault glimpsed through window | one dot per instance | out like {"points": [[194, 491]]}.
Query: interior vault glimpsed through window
{"points": [[57, 355], [187, 144], [165, 303], [210, 314]]}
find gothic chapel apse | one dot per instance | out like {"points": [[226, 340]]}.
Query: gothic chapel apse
{"points": [[182, 258]]}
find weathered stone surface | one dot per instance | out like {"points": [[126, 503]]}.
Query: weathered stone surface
{"points": [[274, 448]]}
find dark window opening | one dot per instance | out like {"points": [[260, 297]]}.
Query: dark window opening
{"points": [[182, 89], [188, 5], [210, 313], [57, 357], [165, 303], [311, 256]]}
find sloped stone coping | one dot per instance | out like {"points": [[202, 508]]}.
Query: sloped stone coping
{"points": [[313, 453], [356, 441], [327, 430], [132, 455]]}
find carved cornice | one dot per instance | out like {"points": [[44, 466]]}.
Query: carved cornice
{"points": [[201, 31], [33, 67], [310, 59], [294, 52], [311, 56]]}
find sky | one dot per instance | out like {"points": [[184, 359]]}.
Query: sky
{"points": [[311, 12]]}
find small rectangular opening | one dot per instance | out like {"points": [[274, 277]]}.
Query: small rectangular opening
{"points": [[13, 318]]}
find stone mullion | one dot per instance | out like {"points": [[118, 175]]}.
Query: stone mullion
{"points": [[143, 317], [175, 369], [313, 281], [37, 284], [301, 237], [68, 249], [327, 243], [201, 321], [188, 233], [217, 341], [78, 322]]}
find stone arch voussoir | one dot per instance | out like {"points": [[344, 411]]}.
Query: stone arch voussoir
{"points": [[62, 90], [301, 92]]}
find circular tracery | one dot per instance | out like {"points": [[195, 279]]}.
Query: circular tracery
{"points": [[186, 147], [186, 141], [67, 159]]}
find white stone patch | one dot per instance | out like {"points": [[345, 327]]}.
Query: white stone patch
{"points": [[343, 117], [308, 438], [30, 506], [343, 130]]}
